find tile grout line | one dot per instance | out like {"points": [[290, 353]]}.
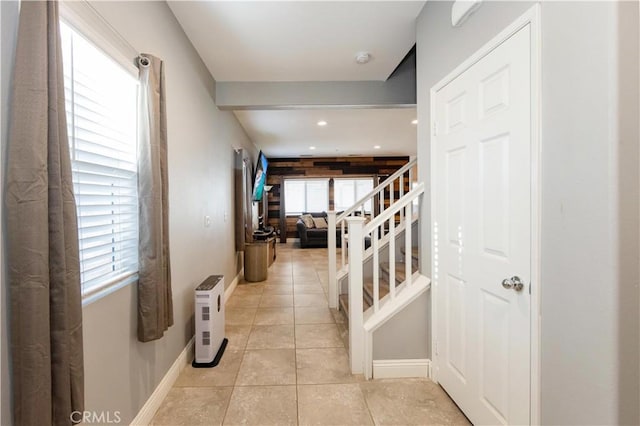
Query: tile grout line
{"points": [[295, 348], [244, 351], [366, 403]]}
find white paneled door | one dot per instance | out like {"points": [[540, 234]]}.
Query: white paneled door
{"points": [[482, 234]]}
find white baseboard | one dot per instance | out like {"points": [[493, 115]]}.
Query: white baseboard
{"points": [[229, 291], [148, 410], [398, 368]]}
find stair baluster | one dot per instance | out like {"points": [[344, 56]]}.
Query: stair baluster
{"points": [[408, 261], [401, 189], [392, 256], [331, 241], [375, 244]]}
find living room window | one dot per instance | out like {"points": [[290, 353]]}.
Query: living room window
{"points": [[101, 107], [347, 191], [306, 195]]}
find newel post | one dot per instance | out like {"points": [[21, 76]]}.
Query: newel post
{"points": [[356, 319], [333, 284]]}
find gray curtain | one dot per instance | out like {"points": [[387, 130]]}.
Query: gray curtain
{"points": [[155, 305], [239, 189], [248, 201], [42, 231]]}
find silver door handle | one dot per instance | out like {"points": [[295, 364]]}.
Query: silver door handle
{"points": [[513, 283]]}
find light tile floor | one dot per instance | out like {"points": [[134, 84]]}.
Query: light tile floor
{"points": [[287, 363]]}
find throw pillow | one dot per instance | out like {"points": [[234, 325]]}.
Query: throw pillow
{"points": [[320, 223], [308, 220]]}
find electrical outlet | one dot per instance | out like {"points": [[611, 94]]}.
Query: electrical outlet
{"points": [[207, 221]]}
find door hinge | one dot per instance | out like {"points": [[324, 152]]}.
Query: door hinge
{"points": [[435, 129], [436, 348]]}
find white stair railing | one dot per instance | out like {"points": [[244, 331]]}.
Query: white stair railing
{"points": [[358, 232], [336, 221]]}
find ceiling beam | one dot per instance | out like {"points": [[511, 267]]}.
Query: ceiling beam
{"points": [[398, 91]]}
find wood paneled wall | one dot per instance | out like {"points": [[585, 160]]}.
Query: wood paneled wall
{"points": [[283, 168]]}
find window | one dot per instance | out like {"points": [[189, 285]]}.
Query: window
{"points": [[306, 195], [348, 191], [101, 99]]}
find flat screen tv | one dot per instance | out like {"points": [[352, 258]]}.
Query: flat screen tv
{"points": [[260, 178]]}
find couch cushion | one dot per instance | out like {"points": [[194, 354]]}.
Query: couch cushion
{"points": [[320, 223], [316, 233], [308, 221]]}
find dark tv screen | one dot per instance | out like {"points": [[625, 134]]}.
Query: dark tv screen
{"points": [[260, 178]]}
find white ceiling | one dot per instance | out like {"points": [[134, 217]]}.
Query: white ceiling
{"points": [[309, 41], [299, 40], [349, 131]]}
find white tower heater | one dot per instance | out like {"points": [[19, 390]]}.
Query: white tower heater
{"points": [[210, 340]]}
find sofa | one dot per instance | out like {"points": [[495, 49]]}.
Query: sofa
{"points": [[314, 233]]}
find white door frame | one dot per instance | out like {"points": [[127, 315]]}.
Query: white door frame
{"points": [[532, 18]]}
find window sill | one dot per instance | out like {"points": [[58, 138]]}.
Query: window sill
{"points": [[108, 288]]}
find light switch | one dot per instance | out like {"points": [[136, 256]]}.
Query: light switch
{"points": [[207, 221]]}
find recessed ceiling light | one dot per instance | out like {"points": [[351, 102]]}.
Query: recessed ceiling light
{"points": [[376, 147], [322, 123], [414, 121], [312, 148]]}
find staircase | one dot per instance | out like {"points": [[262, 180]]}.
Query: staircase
{"points": [[371, 286], [384, 289], [382, 197]]}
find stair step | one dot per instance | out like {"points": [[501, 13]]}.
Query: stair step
{"points": [[367, 295], [414, 252], [400, 271], [368, 290], [344, 304]]}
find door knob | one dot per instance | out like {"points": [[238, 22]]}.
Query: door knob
{"points": [[513, 283]]}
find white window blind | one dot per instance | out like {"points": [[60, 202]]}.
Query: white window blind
{"points": [[101, 100], [306, 195], [348, 191]]}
